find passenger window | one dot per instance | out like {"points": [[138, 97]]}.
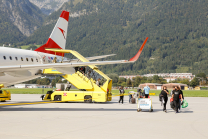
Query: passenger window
{"points": [[36, 59], [21, 58], [4, 57], [26, 59], [10, 58], [16, 58], [32, 59]]}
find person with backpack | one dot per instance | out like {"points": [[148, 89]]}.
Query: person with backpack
{"points": [[176, 95], [164, 97], [121, 91]]}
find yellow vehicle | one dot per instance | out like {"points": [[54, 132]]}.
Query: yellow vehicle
{"points": [[4, 94], [89, 90]]}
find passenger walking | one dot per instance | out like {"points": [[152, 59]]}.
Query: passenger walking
{"points": [[89, 74], [176, 95], [83, 70], [164, 94], [98, 82], [146, 91], [172, 91], [121, 91], [180, 98]]}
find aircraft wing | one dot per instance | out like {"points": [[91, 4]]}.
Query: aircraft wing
{"points": [[58, 65], [65, 65], [91, 58]]}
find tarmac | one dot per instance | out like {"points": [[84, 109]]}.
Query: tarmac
{"points": [[109, 120]]}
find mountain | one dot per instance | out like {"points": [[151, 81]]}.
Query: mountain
{"points": [[18, 20], [48, 6], [177, 31]]}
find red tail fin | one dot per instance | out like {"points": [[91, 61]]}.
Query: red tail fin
{"points": [[57, 38]]}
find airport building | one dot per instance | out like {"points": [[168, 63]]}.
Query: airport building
{"points": [[151, 86], [167, 76], [31, 86], [128, 76], [172, 76]]}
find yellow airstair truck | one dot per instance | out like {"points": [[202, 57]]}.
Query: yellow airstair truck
{"points": [[88, 92], [4, 94]]}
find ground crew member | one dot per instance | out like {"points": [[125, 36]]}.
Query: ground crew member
{"points": [[175, 96], [121, 91], [130, 95], [164, 94], [146, 91], [68, 87]]}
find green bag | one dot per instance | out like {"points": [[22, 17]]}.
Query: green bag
{"points": [[185, 104]]}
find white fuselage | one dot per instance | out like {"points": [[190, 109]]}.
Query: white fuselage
{"points": [[13, 56]]}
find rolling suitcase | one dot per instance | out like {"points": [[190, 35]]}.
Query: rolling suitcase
{"points": [[133, 100]]}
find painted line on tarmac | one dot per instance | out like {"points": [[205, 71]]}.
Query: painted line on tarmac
{"points": [[45, 102]]}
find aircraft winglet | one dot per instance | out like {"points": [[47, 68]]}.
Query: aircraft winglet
{"points": [[133, 59]]}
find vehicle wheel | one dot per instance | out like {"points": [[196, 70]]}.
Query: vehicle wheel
{"points": [[88, 99], [138, 110], [151, 110], [57, 98]]}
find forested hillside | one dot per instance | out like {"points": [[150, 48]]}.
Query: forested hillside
{"points": [[177, 32], [48, 6], [18, 19]]}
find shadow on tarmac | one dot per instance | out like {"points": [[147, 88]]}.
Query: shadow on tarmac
{"points": [[71, 109]]}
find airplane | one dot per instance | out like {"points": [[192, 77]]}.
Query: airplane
{"points": [[19, 65]]}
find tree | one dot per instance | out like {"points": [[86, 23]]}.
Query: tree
{"points": [[114, 78], [121, 80], [53, 83], [33, 47], [185, 81], [128, 83], [123, 84], [194, 82], [202, 75], [156, 78]]}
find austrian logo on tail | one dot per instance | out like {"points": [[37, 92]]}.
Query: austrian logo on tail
{"points": [[62, 32]]}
